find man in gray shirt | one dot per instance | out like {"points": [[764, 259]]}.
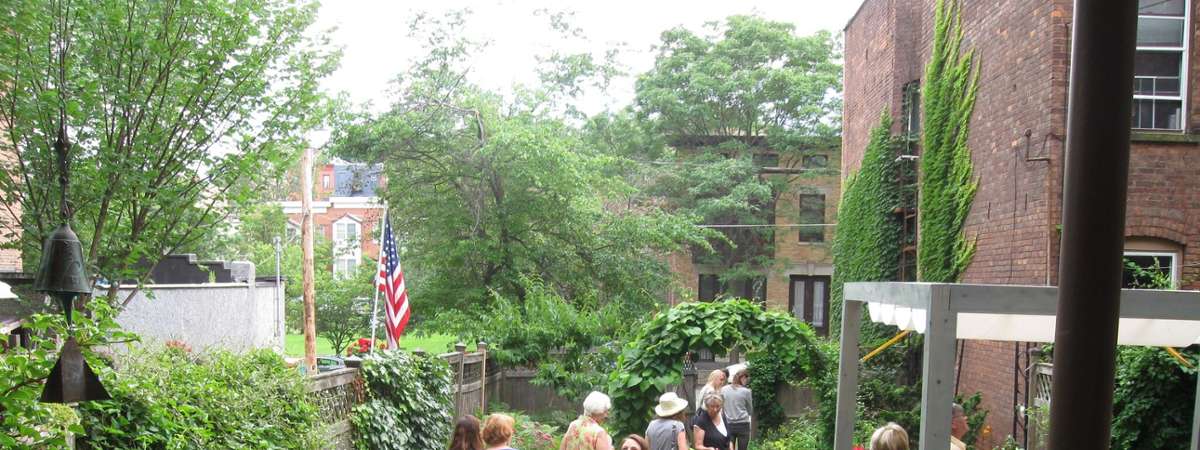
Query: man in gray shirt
{"points": [[739, 406]]}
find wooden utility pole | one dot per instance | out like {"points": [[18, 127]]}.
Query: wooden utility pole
{"points": [[306, 247]]}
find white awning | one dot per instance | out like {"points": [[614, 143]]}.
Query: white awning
{"points": [[1038, 328]]}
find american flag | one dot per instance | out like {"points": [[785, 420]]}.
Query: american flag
{"points": [[390, 281]]}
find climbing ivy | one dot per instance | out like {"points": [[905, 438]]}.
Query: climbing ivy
{"points": [[408, 402], [780, 350], [867, 244], [947, 184], [867, 248]]}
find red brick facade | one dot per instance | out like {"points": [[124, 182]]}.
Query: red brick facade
{"points": [[329, 208], [1017, 147]]}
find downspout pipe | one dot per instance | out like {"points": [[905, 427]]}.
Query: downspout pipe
{"points": [[1097, 172]]}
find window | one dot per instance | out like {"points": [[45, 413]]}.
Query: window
{"points": [[1158, 68], [709, 285], [808, 300], [325, 182], [344, 266], [1155, 268], [812, 211], [345, 233], [766, 160], [816, 161]]}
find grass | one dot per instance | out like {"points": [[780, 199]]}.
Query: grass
{"points": [[434, 343]]}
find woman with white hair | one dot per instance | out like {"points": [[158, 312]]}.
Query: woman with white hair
{"points": [[585, 433]]}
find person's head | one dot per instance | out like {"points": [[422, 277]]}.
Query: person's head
{"points": [[596, 406], [670, 406], [716, 379], [634, 442], [466, 434], [498, 429], [958, 421], [889, 437], [713, 404]]}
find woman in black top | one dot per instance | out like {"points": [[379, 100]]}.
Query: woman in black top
{"points": [[709, 431]]}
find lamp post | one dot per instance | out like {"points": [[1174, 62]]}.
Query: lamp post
{"points": [[61, 276]]}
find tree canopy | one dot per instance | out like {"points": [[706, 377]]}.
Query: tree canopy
{"points": [[177, 111]]}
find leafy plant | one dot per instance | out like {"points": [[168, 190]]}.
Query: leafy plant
{"points": [[1153, 400], [572, 347], [976, 418], [947, 184], [178, 111], [784, 347], [533, 435], [174, 399], [27, 423], [408, 402]]}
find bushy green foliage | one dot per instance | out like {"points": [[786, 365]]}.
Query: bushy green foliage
{"points": [[976, 417], [947, 183], [805, 433], [533, 435], [26, 423], [867, 244], [408, 402], [173, 399], [775, 341], [1153, 400], [572, 346]]}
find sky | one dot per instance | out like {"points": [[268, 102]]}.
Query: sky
{"points": [[373, 36]]}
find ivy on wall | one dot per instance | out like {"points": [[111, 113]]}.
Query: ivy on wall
{"points": [[867, 248], [780, 350], [947, 183], [408, 402]]}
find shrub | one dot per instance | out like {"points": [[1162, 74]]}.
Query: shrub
{"points": [[408, 402], [174, 399], [534, 435]]}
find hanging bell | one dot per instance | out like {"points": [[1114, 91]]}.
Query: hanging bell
{"points": [[61, 276], [62, 264]]}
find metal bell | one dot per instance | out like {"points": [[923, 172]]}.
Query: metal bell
{"points": [[72, 380], [62, 264]]}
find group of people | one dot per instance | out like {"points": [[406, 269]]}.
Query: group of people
{"points": [[722, 422], [893, 437]]}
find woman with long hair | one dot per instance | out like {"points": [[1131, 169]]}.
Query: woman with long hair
{"points": [[466, 434], [716, 380]]}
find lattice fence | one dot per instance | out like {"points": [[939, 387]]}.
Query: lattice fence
{"points": [[336, 394]]}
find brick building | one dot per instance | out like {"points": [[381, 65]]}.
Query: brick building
{"points": [[346, 211], [804, 259], [1016, 138]]}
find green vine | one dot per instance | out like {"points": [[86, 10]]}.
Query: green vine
{"points": [[947, 183], [780, 350], [408, 402]]}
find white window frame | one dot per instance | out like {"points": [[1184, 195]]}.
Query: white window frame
{"points": [[1183, 69], [344, 266], [342, 248], [1174, 272]]}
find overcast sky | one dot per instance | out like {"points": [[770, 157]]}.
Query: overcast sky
{"points": [[372, 35]]}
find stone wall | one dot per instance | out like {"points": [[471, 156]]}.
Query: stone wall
{"points": [[240, 315]]}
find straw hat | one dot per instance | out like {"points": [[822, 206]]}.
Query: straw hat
{"points": [[669, 405]]}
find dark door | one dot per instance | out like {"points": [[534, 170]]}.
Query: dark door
{"points": [[808, 300]]}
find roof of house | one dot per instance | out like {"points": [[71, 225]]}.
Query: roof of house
{"points": [[356, 180]]}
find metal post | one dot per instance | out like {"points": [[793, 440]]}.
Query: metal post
{"points": [[1097, 171], [280, 327], [847, 389], [937, 390], [482, 346]]}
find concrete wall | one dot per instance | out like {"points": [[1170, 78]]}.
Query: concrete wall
{"points": [[236, 316]]}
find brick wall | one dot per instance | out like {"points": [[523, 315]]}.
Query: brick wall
{"points": [[10, 214], [1023, 49]]}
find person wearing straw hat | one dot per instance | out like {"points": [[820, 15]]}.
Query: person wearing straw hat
{"points": [[667, 431], [739, 405]]}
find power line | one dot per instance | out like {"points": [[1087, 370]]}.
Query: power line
{"points": [[785, 225]]}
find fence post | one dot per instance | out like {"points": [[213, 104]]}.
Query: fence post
{"points": [[482, 347], [461, 349]]}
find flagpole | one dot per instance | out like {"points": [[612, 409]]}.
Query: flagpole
{"points": [[375, 302]]}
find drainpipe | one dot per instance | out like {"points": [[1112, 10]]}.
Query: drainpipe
{"points": [[1097, 172]]}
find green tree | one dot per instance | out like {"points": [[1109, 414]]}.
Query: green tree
{"points": [[497, 189], [947, 184], [748, 87], [344, 306], [177, 111]]}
